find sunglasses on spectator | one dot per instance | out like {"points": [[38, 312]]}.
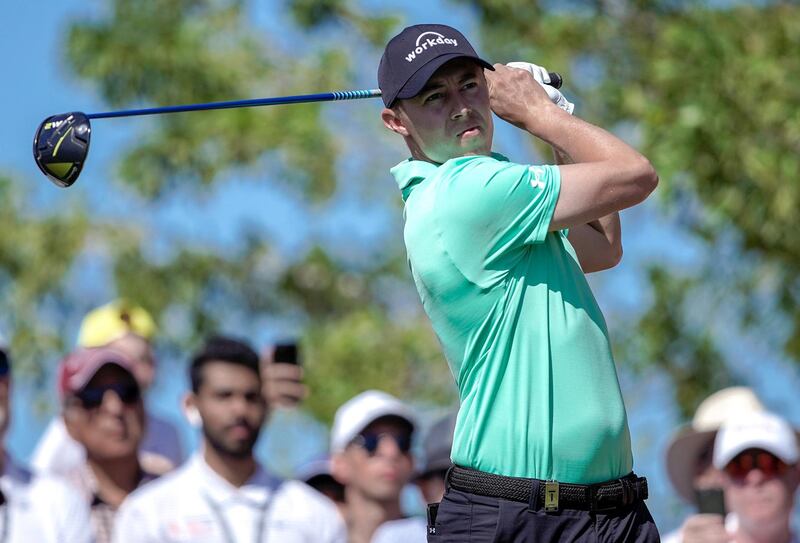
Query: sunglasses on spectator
{"points": [[743, 463], [370, 442], [92, 397]]}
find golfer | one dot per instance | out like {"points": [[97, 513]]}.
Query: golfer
{"points": [[498, 252]]}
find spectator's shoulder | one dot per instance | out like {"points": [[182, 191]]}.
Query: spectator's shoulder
{"points": [[52, 488], [298, 492], [164, 487]]}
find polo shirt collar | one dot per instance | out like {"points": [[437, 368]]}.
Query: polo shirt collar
{"points": [[256, 491], [410, 173]]}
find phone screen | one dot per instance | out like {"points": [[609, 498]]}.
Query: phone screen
{"points": [[286, 353], [710, 500]]}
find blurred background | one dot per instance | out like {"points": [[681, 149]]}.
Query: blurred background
{"points": [[272, 223]]}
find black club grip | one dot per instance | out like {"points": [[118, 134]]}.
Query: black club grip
{"points": [[555, 79]]}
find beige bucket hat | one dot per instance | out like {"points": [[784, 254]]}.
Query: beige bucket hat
{"points": [[691, 440]]}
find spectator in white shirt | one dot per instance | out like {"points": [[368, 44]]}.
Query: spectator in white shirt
{"points": [[222, 494], [129, 329], [34, 508], [371, 457]]}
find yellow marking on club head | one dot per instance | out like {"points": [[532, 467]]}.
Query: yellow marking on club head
{"points": [[55, 151], [59, 169]]}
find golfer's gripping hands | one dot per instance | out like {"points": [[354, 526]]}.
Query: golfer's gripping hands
{"points": [[542, 77]]}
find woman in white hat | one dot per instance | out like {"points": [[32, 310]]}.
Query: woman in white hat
{"points": [[690, 452]]}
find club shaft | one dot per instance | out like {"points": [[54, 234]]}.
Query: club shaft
{"points": [[299, 99]]}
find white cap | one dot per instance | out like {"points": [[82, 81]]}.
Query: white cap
{"points": [[693, 439], [359, 412], [756, 430]]}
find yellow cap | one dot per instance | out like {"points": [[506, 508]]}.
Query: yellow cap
{"points": [[114, 320]]}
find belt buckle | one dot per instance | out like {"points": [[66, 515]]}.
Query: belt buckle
{"points": [[551, 496]]}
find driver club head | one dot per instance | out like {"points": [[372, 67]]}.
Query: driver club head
{"points": [[61, 145]]}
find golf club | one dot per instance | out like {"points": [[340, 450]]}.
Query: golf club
{"points": [[61, 143]]}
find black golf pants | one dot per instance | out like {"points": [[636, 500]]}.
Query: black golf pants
{"points": [[469, 518]]}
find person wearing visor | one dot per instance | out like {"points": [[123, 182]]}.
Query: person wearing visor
{"points": [[371, 456], [129, 329], [222, 494], [758, 456], [498, 251], [34, 507], [103, 411]]}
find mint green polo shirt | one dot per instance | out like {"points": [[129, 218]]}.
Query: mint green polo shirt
{"points": [[523, 335]]}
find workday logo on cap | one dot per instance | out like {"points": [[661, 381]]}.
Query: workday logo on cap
{"points": [[426, 40], [412, 56]]}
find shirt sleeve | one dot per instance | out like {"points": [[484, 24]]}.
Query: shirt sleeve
{"points": [[498, 207]]}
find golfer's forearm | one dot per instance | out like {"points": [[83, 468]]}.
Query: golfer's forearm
{"points": [[577, 141]]}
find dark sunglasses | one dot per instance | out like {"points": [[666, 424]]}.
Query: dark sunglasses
{"points": [[370, 442], [92, 397], [743, 463]]}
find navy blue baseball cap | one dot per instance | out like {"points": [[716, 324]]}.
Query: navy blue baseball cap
{"points": [[412, 57]]}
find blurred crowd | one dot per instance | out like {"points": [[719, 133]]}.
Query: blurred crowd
{"points": [[107, 470]]}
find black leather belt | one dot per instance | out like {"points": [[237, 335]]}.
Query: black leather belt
{"points": [[551, 495]]}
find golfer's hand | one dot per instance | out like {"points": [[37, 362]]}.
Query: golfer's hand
{"points": [[515, 96], [542, 77], [705, 528], [282, 383]]}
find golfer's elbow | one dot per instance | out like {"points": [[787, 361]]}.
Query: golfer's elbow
{"points": [[645, 180], [615, 253]]}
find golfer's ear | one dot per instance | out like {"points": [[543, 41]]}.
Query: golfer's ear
{"points": [[393, 122]]}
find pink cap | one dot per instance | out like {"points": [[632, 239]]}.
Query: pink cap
{"points": [[78, 367]]}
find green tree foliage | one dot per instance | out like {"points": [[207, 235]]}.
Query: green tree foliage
{"points": [[35, 257]]}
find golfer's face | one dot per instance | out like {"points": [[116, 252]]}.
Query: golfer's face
{"points": [[451, 117]]}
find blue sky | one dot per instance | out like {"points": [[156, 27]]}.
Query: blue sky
{"points": [[37, 85]]}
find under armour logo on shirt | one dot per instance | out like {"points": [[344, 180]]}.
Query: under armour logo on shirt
{"points": [[537, 172]]}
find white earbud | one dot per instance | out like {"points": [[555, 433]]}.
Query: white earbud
{"points": [[193, 416]]}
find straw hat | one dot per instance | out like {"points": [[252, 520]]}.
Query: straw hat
{"points": [[691, 440]]}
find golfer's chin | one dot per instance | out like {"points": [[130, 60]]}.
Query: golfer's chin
{"points": [[474, 140]]}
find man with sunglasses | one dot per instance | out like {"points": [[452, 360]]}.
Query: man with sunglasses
{"points": [[371, 456], [222, 494], [103, 411], [34, 508], [758, 455], [129, 329]]}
